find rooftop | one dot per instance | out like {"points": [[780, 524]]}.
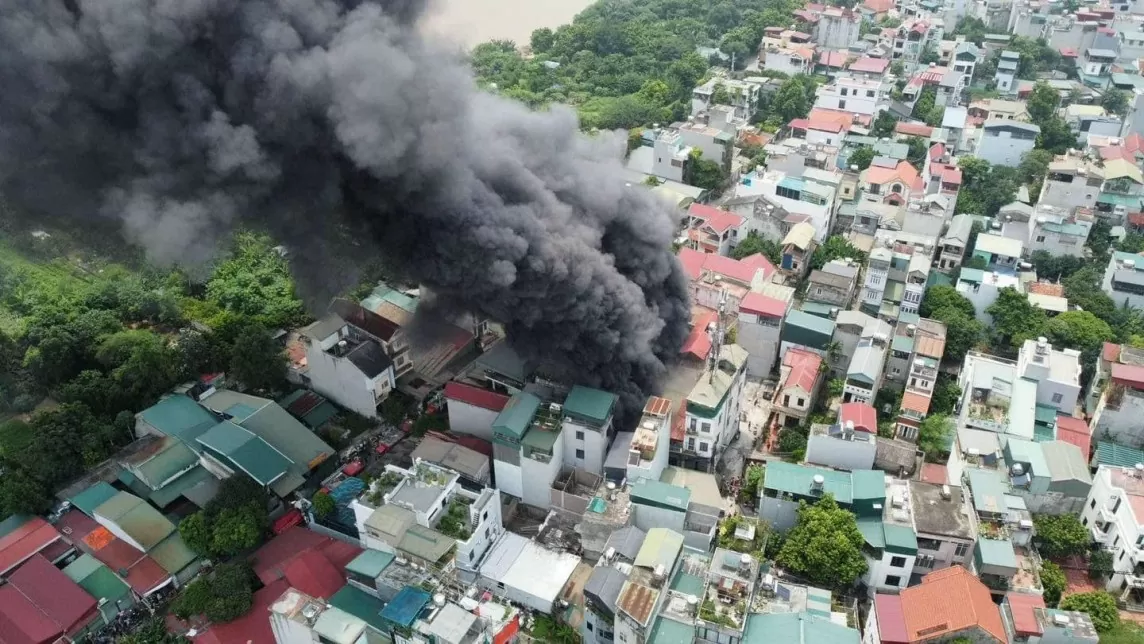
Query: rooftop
{"points": [[713, 386], [947, 601], [845, 486], [940, 514]]}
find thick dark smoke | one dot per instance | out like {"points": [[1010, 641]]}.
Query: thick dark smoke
{"points": [[337, 126]]}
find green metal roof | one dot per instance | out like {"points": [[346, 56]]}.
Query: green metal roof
{"points": [[871, 529], [1029, 453], [1043, 433], [673, 497], [821, 309], [370, 563], [361, 605], [540, 439], [93, 497], [975, 275], [181, 417], [894, 290], [1130, 201], [246, 452], [516, 417], [167, 494], [137, 519], [669, 631], [796, 628], [868, 484], [903, 343], [798, 479], [938, 279], [989, 489], [900, 539], [661, 546], [98, 580], [426, 543], [289, 436], [906, 317], [173, 554], [174, 458], [806, 329], [1045, 415], [995, 552], [1117, 455]]}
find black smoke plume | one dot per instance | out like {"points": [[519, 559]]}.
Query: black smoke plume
{"points": [[340, 128]]}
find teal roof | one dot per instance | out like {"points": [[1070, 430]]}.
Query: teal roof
{"points": [[791, 183], [1120, 257], [406, 606], [1116, 455], [654, 492], [669, 631], [975, 275], [370, 563], [1074, 230], [995, 552], [821, 309], [796, 628], [181, 417], [989, 489], [361, 605], [807, 330], [1029, 453], [167, 494], [1130, 201], [174, 457], [1045, 415], [99, 581], [903, 343], [517, 415], [845, 486], [589, 404], [900, 539], [385, 293], [1043, 433], [688, 584], [906, 317], [93, 497], [937, 278], [871, 529], [246, 452]]}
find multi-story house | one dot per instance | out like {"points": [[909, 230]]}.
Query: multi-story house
{"points": [[1114, 516], [788, 59], [834, 284], [721, 282], [712, 417], [1005, 142], [916, 278], [798, 385], [587, 428], [891, 181], [807, 197], [850, 327], [998, 110], [1122, 190], [854, 95], [872, 69], [1124, 279], [864, 375], [715, 144], [925, 343], [1006, 76], [877, 278], [998, 253], [760, 324], [1056, 371], [1115, 400], [351, 363], [1073, 181], [797, 248], [670, 156], [913, 37], [741, 95], [954, 241], [711, 230], [1095, 66], [946, 526], [1056, 232], [837, 28], [784, 485], [966, 56], [947, 605], [891, 543]]}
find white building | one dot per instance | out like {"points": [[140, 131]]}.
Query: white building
{"points": [[760, 323], [805, 195], [954, 242], [350, 365], [895, 549], [841, 447], [1114, 515], [946, 526], [1057, 373], [473, 410], [1124, 279], [526, 572], [854, 95], [741, 95], [1005, 142], [1057, 234], [1006, 76], [837, 28], [1072, 182], [1116, 395], [587, 428], [713, 405], [789, 60], [670, 156]]}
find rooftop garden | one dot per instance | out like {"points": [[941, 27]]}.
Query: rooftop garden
{"points": [[381, 486], [431, 475], [455, 522]]}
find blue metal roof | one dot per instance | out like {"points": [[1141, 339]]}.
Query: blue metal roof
{"points": [[406, 606]]}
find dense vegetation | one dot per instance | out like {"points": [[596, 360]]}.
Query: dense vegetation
{"points": [[86, 344], [627, 64]]}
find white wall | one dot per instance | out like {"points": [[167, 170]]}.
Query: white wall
{"points": [[880, 569], [594, 445], [510, 478], [1124, 531], [840, 454], [470, 419], [1070, 195], [1123, 424], [946, 553], [341, 381], [654, 468], [761, 342], [288, 631], [646, 517], [537, 477], [490, 526]]}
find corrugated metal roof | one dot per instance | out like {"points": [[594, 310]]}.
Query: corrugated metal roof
{"points": [[662, 494], [660, 547], [591, 404], [60, 598], [21, 621], [669, 631], [1065, 462], [995, 552], [796, 628], [33, 535], [1117, 455], [426, 543], [989, 490], [370, 563], [638, 601], [517, 415], [246, 451], [798, 479], [97, 579], [627, 541], [405, 606], [360, 604], [605, 584], [173, 554], [179, 416]]}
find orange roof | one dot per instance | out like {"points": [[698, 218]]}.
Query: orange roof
{"points": [[698, 343], [914, 401], [879, 6], [929, 346], [657, 406], [803, 369], [904, 173], [914, 129], [821, 115], [948, 601], [934, 473], [31, 537], [1046, 288]]}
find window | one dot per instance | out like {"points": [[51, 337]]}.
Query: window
{"points": [[801, 402], [1040, 238], [960, 550], [896, 188], [841, 105], [786, 403], [897, 562], [589, 626], [895, 371], [869, 93], [579, 435], [843, 92], [703, 447], [691, 444], [1092, 504], [875, 279], [1058, 397], [580, 454], [893, 580], [705, 428]]}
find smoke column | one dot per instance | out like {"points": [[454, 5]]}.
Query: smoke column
{"points": [[338, 127]]}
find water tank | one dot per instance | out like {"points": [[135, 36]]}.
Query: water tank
{"points": [[439, 599], [1018, 469]]}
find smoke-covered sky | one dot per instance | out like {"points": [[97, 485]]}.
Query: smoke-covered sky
{"points": [[335, 125]]}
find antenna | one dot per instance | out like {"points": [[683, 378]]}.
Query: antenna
{"points": [[717, 336]]}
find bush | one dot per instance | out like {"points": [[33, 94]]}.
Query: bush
{"points": [[1100, 564], [1060, 536], [1099, 605], [324, 505], [1053, 581]]}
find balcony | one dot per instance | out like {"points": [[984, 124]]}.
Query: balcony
{"points": [[1106, 515], [1101, 532]]}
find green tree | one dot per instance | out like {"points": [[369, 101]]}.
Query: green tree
{"points": [[791, 101], [223, 595], [196, 533], [934, 435], [258, 361], [1033, 170], [835, 247], [1099, 605], [1115, 102], [1056, 136], [925, 103], [754, 244], [861, 157], [1015, 319], [541, 40], [1060, 536], [152, 631], [825, 545], [946, 393], [1100, 564], [1053, 581], [1042, 102], [703, 173], [255, 282], [1080, 330], [235, 530], [324, 505], [21, 493], [883, 125], [985, 188], [942, 296], [962, 332]]}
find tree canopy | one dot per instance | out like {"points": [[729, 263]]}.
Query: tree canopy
{"points": [[1099, 605], [255, 283], [223, 595], [1060, 535], [754, 243], [836, 247], [825, 545], [985, 188], [236, 520], [862, 157], [934, 436]]}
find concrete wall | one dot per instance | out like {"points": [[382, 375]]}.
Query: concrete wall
{"points": [[594, 444], [537, 476], [946, 553], [880, 569], [1070, 195], [761, 342], [341, 381], [646, 517], [508, 475], [470, 419], [490, 526], [822, 449]]}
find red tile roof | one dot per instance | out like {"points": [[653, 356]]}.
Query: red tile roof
{"points": [[799, 124], [692, 261], [143, 573], [891, 622], [475, 396], [1023, 607], [1130, 375], [22, 623], [60, 598], [864, 417], [948, 601], [759, 261], [914, 401], [914, 129], [1111, 350], [734, 269], [870, 65], [23, 542], [719, 220], [934, 473], [251, 628], [1069, 52], [1136, 218], [937, 151], [1046, 288], [1111, 152], [951, 174], [271, 560], [833, 58], [878, 6], [314, 575], [803, 369], [760, 304], [1075, 431], [677, 422], [698, 343], [904, 173], [826, 125]]}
